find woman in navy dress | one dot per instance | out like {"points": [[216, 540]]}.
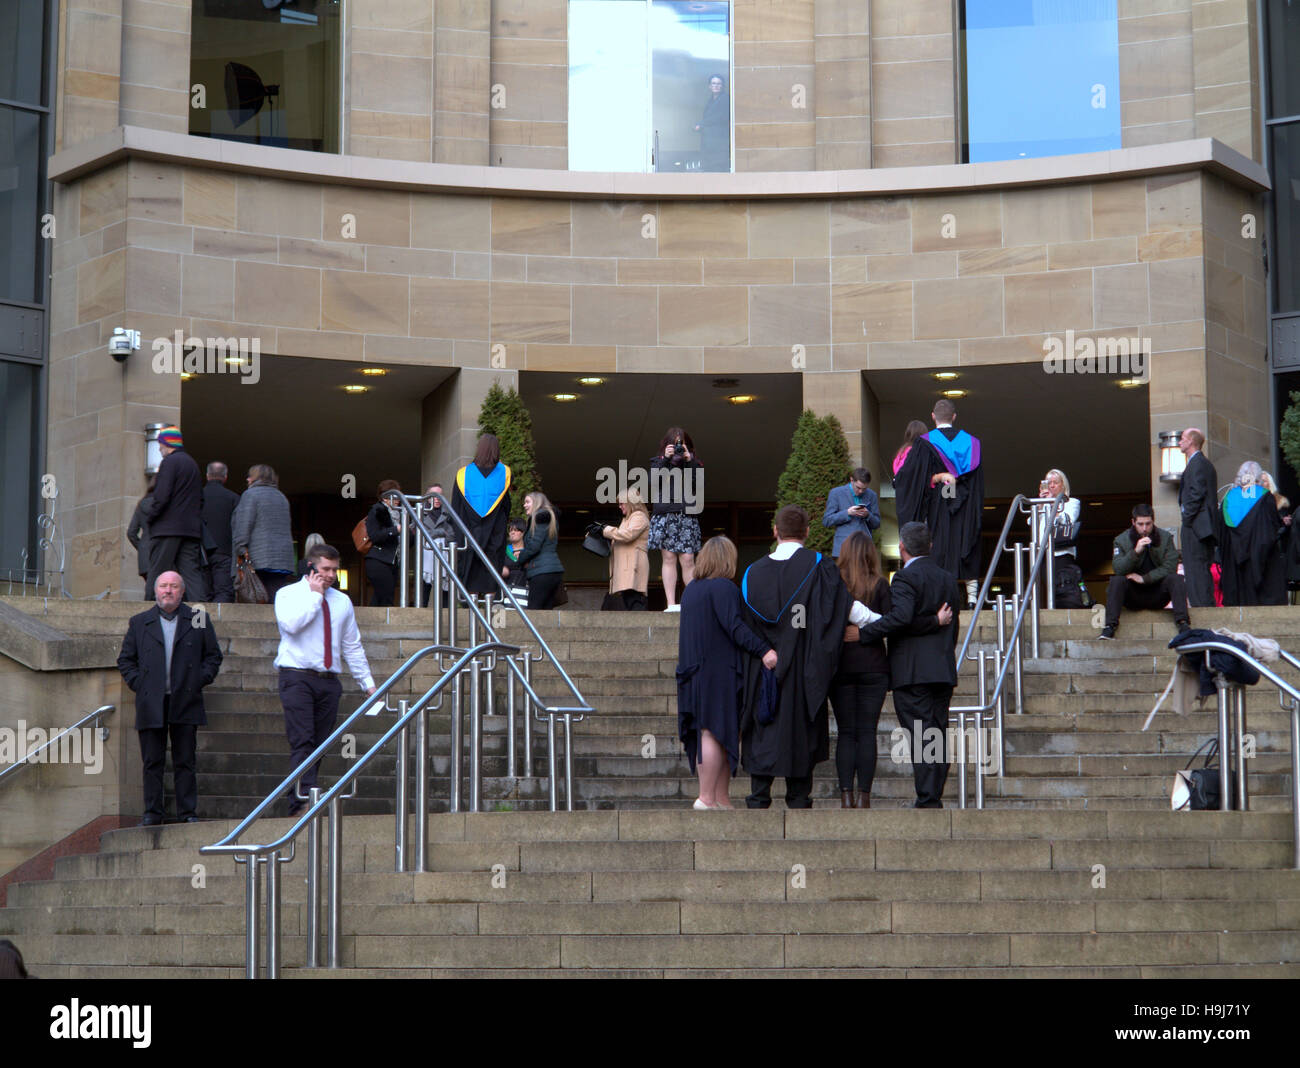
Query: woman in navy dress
{"points": [[712, 646]]}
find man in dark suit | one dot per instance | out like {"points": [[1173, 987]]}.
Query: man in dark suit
{"points": [[1198, 498], [169, 654], [175, 516], [218, 506], [922, 667]]}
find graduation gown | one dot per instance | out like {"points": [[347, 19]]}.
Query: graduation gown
{"points": [[1254, 571], [483, 504], [779, 595], [961, 515]]}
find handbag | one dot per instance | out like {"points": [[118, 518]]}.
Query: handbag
{"points": [[361, 539], [248, 587], [561, 596], [1198, 790]]}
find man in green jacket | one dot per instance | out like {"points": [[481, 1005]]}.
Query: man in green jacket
{"points": [[1146, 572]]}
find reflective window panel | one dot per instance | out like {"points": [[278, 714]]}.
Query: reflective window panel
{"points": [[691, 85], [1042, 78], [270, 71], [18, 399], [22, 49], [20, 221], [1286, 217], [1283, 57], [609, 91]]}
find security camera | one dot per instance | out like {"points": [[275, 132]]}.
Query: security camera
{"points": [[123, 343]]}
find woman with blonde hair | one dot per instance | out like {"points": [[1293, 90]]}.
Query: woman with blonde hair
{"points": [[629, 558], [712, 646], [539, 556], [1254, 571]]}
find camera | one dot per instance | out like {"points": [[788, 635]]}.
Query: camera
{"points": [[123, 343], [679, 449]]}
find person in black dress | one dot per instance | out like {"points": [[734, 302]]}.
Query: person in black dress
{"points": [[713, 645]]}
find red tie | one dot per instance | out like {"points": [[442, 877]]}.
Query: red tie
{"points": [[329, 637]]}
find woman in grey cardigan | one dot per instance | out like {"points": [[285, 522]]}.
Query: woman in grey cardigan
{"points": [[261, 525]]}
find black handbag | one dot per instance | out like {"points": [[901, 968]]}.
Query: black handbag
{"points": [[595, 542], [1198, 789]]}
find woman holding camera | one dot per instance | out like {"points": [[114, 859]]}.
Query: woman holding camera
{"points": [[539, 555], [672, 531], [629, 561], [384, 529]]}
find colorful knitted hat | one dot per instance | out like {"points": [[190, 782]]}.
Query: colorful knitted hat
{"points": [[171, 437]]}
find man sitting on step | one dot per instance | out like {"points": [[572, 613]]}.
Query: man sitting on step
{"points": [[1146, 566]]}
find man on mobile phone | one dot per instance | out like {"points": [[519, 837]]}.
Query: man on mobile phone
{"points": [[318, 631], [852, 508]]}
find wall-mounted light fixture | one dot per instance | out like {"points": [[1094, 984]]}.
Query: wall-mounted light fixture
{"points": [[152, 451], [1172, 461]]}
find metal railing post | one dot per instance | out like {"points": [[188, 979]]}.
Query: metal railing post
{"points": [[1239, 747], [422, 789], [456, 765], [402, 577], [435, 599], [453, 600], [512, 761], [313, 884], [1003, 652], [961, 755], [1295, 782], [252, 917], [1033, 613], [527, 666], [1049, 535], [550, 760], [1225, 699], [417, 593], [475, 738], [334, 884], [273, 915], [401, 776], [568, 762], [1018, 651]]}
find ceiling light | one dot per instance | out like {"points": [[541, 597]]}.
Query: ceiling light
{"points": [[564, 398], [186, 375], [945, 376], [374, 372], [591, 381], [742, 398], [953, 393], [234, 361], [1130, 383], [356, 389]]}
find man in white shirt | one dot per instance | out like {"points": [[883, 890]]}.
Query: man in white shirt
{"points": [[318, 632]]}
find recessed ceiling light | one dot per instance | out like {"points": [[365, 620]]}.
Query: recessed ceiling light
{"points": [[186, 375], [234, 361], [1095, 504], [945, 376], [374, 372], [742, 398], [591, 381], [564, 398], [953, 393], [1130, 383], [356, 389]]}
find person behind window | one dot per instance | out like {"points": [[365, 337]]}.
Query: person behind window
{"points": [[539, 555], [714, 128]]}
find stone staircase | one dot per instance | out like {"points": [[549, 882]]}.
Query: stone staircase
{"points": [[639, 885], [654, 894]]}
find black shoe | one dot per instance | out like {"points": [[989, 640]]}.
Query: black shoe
{"points": [[1184, 627], [1108, 634], [151, 821], [190, 819]]}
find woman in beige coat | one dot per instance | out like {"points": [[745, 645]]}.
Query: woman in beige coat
{"points": [[629, 560]]}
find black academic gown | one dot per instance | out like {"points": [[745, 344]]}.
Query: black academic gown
{"points": [[1254, 571], [800, 607], [947, 518], [490, 532], [959, 550]]}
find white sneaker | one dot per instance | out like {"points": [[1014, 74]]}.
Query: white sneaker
{"points": [[673, 608]]}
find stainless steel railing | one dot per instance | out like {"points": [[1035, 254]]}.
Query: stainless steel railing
{"points": [[102, 712], [1008, 651], [271, 854], [485, 619], [1232, 706]]}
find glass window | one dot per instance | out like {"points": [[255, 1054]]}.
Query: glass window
{"points": [[18, 399], [20, 215], [22, 49], [270, 70], [1041, 78], [1286, 217], [1283, 48], [649, 85]]}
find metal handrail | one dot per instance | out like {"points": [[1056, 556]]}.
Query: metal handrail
{"points": [[1007, 653], [270, 853], [1284, 689], [408, 509], [99, 713]]}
